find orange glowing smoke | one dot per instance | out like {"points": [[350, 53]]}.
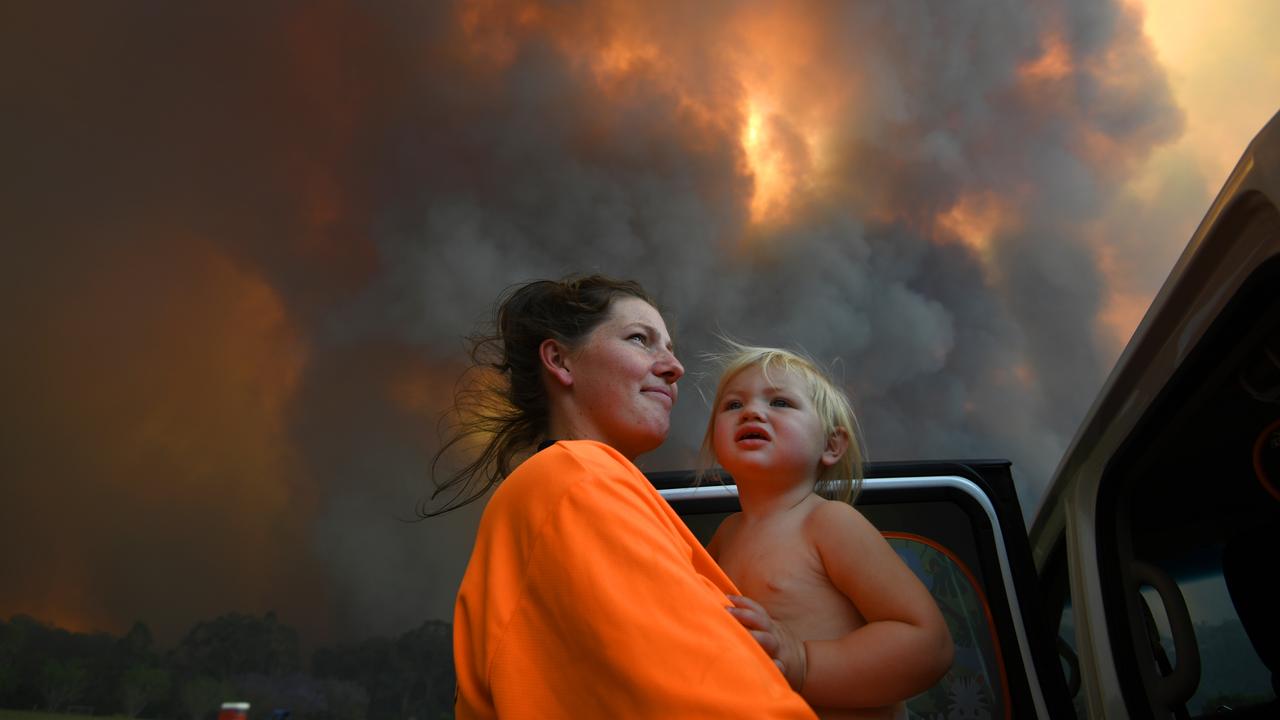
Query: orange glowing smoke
{"points": [[1121, 70], [1122, 310], [760, 76], [791, 102], [772, 186], [316, 163], [778, 160], [161, 478], [1053, 64], [975, 220], [494, 28]]}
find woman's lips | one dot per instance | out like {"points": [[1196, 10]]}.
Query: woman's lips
{"points": [[665, 395]]}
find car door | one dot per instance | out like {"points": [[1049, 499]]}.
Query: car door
{"points": [[959, 526], [1157, 539]]}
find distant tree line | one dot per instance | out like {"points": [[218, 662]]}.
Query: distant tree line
{"points": [[230, 658]]}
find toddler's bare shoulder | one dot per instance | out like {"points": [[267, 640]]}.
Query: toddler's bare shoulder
{"points": [[730, 523], [725, 532], [833, 517]]}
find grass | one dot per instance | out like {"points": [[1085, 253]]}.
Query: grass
{"points": [[6, 714]]}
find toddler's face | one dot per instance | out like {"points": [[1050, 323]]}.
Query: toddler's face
{"points": [[768, 429]]}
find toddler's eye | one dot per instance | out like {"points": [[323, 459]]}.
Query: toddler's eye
{"points": [[780, 402], [732, 405]]}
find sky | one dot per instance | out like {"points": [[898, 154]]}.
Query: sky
{"points": [[244, 247]]}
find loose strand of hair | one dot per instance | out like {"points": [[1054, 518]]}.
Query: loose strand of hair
{"points": [[481, 408]]}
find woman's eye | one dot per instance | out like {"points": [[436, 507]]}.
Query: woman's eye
{"points": [[639, 338]]}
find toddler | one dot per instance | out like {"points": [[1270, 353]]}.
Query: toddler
{"points": [[852, 628]]}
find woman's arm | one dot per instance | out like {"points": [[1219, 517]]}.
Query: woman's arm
{"points": [[905, 646]]}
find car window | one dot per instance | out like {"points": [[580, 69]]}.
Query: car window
{"points": [[1232, 675], [1060, 615]]}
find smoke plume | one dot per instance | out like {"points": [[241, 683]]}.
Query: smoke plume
{"points": [[243, 246]]}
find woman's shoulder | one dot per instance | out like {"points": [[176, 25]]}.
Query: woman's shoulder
{"points": [[572, 459], [568, 466], [591, 451], [568, 482]]}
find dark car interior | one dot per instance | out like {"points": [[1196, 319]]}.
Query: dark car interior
{"points": [[1189, 565]]}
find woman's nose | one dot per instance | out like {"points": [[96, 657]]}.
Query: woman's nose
{"points": [[669, 368]]}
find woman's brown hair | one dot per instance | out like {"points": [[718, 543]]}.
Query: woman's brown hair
{"points": [[501, 404]]}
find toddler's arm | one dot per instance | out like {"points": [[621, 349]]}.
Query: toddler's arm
{"points": [[905, 646]]}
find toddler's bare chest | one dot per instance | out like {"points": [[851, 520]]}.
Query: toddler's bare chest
{"points": [[789, 580], [775, 573]]}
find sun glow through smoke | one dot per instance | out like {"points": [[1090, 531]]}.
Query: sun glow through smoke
{"points": [[791, 104], [773, 169]]}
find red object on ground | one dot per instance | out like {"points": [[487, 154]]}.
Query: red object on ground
{"points": [[234, 711]]}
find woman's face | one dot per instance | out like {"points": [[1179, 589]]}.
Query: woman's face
{"points": [[624, 379]]}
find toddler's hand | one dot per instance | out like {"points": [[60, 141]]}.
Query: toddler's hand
{"points": [[788, 653]]}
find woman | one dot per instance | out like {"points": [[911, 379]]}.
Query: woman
{"points": [[585, 595]]}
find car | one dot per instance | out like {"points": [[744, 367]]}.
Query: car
{"points": [[1143, 586]]}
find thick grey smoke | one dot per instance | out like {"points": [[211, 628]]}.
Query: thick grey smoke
{"points": [[387, 178], [553, 174]]}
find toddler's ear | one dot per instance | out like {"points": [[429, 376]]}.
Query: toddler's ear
{"points": [[837, 446]]}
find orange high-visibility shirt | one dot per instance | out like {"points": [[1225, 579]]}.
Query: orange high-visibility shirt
{"points": [[587, 597]]}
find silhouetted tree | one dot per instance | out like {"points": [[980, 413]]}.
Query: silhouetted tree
{"points": [[411, 676], [232, 657], [29, 644], [10, 644], [61, 683], [346, 700], [370, 664], [200, 697], [140, 686], [52, 665], [425, 658], [236, 644], [137, 643]]}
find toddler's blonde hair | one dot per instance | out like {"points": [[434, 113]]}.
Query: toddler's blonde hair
{"points": [[841, 481]]}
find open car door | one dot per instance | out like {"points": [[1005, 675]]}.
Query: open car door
{"points": [[1157, 541], [958, 525]]}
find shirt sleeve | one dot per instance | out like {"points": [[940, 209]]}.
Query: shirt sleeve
{"points": [[617, 622]]}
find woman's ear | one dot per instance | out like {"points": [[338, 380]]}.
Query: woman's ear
{"points": [[837, 446], [555, 359]]}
